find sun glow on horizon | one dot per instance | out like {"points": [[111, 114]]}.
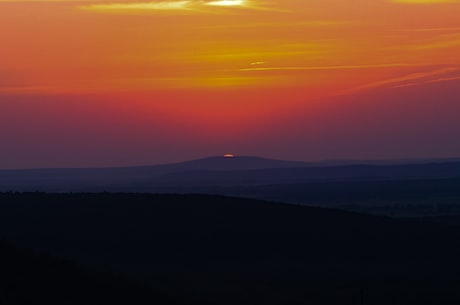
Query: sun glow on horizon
{"points": [[227, 3]]}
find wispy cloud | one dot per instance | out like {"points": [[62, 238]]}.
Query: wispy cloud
{"points": [[313, 68], [49, 1], [438, 29], [167, 5], [442, 41], [285, 24], [184, 5], [26, 89], [425, 1], [412, 79]]}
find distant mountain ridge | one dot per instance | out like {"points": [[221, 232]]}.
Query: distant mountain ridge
{"points": [[233, 163], [245, 162], [207, 163], [218, 171], [69, 179]]}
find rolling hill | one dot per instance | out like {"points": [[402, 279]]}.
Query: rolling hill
{"points": [[224, 250], [28, 278]]}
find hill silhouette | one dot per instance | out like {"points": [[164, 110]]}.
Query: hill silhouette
{"points": [[224, 250], [27, 278], [97, 179], [216, 172]]}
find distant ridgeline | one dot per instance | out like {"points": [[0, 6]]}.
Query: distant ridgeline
{"points": [[420, 188], [220, 250]]}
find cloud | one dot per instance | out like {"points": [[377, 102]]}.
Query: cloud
{"points": [[412, 79], [12, 82], [46, 1], [313, 68], [181, 5], [439, 29], [27, 89], [140, 6], [425, 1], [285, 24], [444, 41]]}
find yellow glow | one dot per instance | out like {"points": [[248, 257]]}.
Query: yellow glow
{"points": [[226, 3]]}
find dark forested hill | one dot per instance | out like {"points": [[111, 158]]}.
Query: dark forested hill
{"points": [[239, 251], [27, 278]]}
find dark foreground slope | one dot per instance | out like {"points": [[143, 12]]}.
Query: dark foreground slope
{"points": [[236, 251], [28, 279]]}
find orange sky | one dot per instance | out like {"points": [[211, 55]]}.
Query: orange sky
{"points": [[198, 77]]}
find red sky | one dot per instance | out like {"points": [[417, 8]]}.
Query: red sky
{"points": [[113, 82]]}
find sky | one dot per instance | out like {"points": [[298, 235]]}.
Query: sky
{"points": [[135, 82]]}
